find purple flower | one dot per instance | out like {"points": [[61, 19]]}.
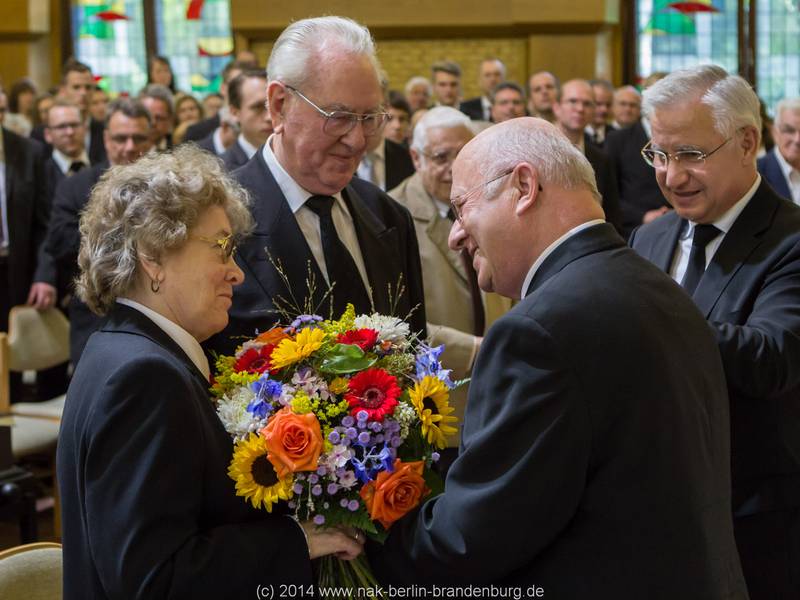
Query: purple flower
{"points": [[435, 456], [322, 471], [316, 490], [379, 438], [375, 426], [293, 504], [348, 421], [363, 437], [319, 519], [352, 506], [362, 415], [351, 433], [343, 502], [298, 488], [332, 489], [305, 320], [313, 478], [334, 437], [396, 441]]}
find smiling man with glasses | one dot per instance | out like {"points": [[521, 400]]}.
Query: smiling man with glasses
{"points": [[312, 216], [734, 245]]}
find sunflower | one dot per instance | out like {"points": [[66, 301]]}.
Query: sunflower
{"points": [[430, 398], [288, 352], [255, 477]]}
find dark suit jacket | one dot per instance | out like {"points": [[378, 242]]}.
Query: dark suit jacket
{"points": [[771, 171], [385, 234], [97, 146], [63, 243], [399, 165], [593, 139], [27, 211], [234, 157], [750, 294], [53, 176], [149, 510], [201, 129], [606, 182], [473, 109], [207, 144], [638, 190], [594, 458]]}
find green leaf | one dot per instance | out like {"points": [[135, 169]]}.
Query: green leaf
{"points": [[346, 358]]}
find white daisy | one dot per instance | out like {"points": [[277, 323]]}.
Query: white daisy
{"points": [[390, 329]]}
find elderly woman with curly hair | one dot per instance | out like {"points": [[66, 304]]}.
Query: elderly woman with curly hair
{"points": [[148, 508]]}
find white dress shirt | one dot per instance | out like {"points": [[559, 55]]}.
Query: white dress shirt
{"points": [[64, 162], [680, 261], [791, 175], [248, 148], [372, 167], [549, 250], [308, 220], [178, 334]]}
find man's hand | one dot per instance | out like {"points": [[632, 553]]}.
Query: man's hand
{"points": [[42, 295], [652, 215]]}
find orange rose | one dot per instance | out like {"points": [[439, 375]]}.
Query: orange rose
{"points": [[294, 442], [392, 495], [272, 337]]}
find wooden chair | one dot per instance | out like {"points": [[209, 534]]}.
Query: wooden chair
{"points": [[36, 340], [31, 572]]}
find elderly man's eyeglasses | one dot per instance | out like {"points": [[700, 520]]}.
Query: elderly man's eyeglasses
{"points": [[458, 201], [225, 245], [688, 158], [340, 122], [441, 159]]}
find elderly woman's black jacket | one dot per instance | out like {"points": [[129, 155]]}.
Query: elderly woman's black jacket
{"points": [[148, 508]]}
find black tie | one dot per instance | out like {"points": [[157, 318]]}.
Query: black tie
{"points": [[703, 234], [75, 167], [341, 267], [478, 317]]}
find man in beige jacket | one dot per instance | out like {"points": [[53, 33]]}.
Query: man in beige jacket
{"points": [[458, 312]]}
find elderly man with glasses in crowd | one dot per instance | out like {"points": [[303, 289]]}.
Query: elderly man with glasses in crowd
{"points": [[734, 245], [312, 217]]}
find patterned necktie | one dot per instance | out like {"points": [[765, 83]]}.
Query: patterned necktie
{"points": [[339, 262], [703, 234]]}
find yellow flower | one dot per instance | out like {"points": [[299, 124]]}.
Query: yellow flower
{"points": [[301, 403], [255, 477], [345, 323], [339, 385], [288, 352], [430, 398]]}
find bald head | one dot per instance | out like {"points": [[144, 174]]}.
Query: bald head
{"points": [[627, 106]]}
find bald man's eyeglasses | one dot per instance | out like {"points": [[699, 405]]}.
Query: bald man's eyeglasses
{"points": [[340, 122]]}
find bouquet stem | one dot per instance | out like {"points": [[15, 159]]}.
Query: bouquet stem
{"points": [[343, 579]]}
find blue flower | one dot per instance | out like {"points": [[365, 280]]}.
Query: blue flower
{"points": [[428, 364], [265, 390], [305, 320]]}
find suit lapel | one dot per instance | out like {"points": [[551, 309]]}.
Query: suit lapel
{"points": [[743, 237], [663, 249]]}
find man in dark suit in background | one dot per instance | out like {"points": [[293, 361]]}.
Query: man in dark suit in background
{"points": [[735, 246], [385, 164], [247, 95], [780, 167], [127, 137], [158, 101], [326, 103], [65, 133], [77, 85], [492, 72], [600, 126], [573, 108], [508, 102], [594, 457]]}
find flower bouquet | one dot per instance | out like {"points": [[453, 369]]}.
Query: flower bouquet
{"points": [[338, 419]]}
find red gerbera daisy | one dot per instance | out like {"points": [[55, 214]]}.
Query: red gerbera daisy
{"points": [[255, 361], [363, 338], [374, 391]]}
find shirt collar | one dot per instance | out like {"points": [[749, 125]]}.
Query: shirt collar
{"points": [[248, 148], [726, 221], [785, 166], [64, 162], [549, 250], [219, 147], [295, 194], [178, 334]]}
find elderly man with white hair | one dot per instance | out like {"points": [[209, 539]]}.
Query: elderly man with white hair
{"points": [[594, 458], [781, 167], [457, 313], [312, 222], [734, 245]]}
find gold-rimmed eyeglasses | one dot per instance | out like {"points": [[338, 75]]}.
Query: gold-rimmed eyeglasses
{"points": [[341, 122], [458, 201], [659, 159], [225, 245]]}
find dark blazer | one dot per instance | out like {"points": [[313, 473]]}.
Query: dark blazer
{"points": [[148, 508], [594, 456], [385, 234], [771, 171], [234, 157], [201, 129], [27, 211], [399, 165], [750, 293], [53, 176], [606, 178], [97, 146], [63, 243], [601, 144], [638, 190], [472, 108], [207, 144]]}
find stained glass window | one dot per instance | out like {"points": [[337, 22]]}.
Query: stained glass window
{"points": [[777, 50], [109, 37]]}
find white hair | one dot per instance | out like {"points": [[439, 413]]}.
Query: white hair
{"points": [[556, 160], [296, 49], [790, 104], [732, 101], [418, 80], [445, 117]]}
